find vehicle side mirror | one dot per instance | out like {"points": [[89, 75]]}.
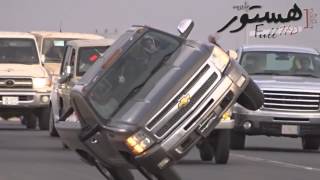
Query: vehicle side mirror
{"points": [[42, 58], [232, 54], [66, 76], [185, 27]]}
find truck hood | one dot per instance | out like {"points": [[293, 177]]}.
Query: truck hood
{"points": [[35, 70], [296, 83], [53, 68]]}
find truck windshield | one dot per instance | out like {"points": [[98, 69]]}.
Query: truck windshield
{"points": [[87, 56], [18, 51], [281, 63], [130, 71], [53, 49]]}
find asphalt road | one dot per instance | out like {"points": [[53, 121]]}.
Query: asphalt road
{"points": [[33, 155]]}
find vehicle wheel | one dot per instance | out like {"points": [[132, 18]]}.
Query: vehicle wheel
{"points": [[114, 173], [206, 151], [310, 143], [52, 128], [222, 146], [167, 174], [252, 97], [238, 140], [31, 120], [44, 116]]}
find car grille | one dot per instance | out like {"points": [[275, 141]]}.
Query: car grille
{"points": [[16, 83], [291, 100], [171, 115]]}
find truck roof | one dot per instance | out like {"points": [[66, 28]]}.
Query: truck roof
{"points": [[71, 35], [90, 43], [7, 34], [280, 48]]}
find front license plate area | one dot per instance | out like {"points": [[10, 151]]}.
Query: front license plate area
{"points": [[10, 100], [290, 129]]}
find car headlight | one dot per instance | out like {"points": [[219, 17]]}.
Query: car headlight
{"points": [[41, 82], [220, 58], [139, 142]]}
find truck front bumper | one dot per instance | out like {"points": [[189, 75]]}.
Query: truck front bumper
{"points": [[271, 123], [29, 99]]}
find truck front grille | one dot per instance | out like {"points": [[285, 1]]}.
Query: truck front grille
{"points": [[291, 100], [16, 83]]}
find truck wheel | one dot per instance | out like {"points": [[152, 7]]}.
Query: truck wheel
{"points": [[252, 97], [167, 174], [310, 143], [31, 120], [44, 116], [222, 146], [206, 151], [114, 173], [52, 128], [238, 140]]}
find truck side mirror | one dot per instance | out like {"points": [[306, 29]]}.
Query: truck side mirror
{"points": [[65, 76], [185, 27], [42, 58]]}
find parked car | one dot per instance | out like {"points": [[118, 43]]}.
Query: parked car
{"points": [[150, 99], [217, 144], [52, 45], [289, 79], [24, 82], [79, 56]]}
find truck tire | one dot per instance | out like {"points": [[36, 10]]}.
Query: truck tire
{"points": [[167, 174], [222, 146], [52, 128], [44, 116], [114, 173], [31, 120], [252, 97], [310, 143], [206, 150], [238, 140]]}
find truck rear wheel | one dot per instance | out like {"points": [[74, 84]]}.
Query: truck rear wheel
{"points": [[222, 146], [310, 143], [238, 140], [30, 120], [252, 97], [114, 173], [44, 116]]}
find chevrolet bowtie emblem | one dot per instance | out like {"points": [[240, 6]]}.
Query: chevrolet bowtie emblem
{"points": [[184, 101]]}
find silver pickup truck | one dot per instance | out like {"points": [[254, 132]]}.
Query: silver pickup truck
{"points": [[150, 99], [289, 78]]}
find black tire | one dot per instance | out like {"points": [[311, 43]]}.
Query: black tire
{"points": [[238, 140], [114, 173], [310, 143], [30, 120], [222, 146], [44, 116], [167, 174], [52, 128], [252, 97], [206, 150]]}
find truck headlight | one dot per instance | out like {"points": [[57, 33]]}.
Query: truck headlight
{"points": [[39, 83], [220, 58], [139, 142]]}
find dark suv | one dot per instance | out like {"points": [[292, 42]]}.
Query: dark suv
{"points": [[151, 98]]}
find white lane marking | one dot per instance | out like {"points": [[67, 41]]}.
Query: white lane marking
{"points": [[279, 163]]}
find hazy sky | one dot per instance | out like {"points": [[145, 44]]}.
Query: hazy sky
{"points": [[89, 15]]}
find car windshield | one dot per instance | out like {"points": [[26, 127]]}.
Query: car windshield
{"points": [[125, 77], [53, 49], [87, 56], [18, 51], [281, 63]]}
